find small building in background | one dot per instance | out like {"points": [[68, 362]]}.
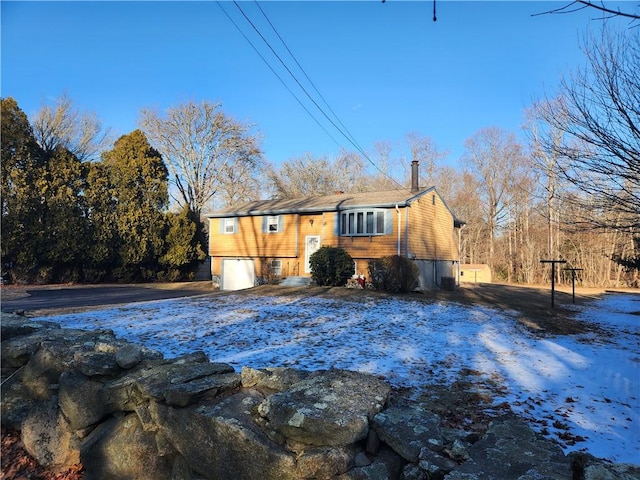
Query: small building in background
{"points": [[475, 273]]}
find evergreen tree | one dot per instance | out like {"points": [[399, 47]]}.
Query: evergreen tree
{"points": [[137, 181], [21, 163], [183, 252]]}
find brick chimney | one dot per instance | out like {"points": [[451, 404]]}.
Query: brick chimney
{"points": [[415, 184]]}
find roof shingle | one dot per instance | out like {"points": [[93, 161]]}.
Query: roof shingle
{"points": [[324, 203]]}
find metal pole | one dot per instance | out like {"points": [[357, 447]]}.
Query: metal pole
{"points": [[553, 277], [553, 284]]}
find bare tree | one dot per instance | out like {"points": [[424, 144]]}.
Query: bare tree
{"points": [[425, 151], [547, 166], [240, 182], [308, 176], [201, 146], [63, 125], [495, 157], [598, 115]]}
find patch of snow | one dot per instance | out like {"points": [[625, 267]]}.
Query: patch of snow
{"points": [[582, 385]]}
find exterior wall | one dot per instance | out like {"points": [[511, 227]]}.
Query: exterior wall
{"points": [[430, 230], [431, 272], [249, 240]]}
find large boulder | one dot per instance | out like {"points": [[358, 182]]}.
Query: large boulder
{"points": [[511, 450], [329, 408], [79, 400], [222, 441], [121, 448], [47, 437]]}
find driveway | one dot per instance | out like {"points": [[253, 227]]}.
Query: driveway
{"points": [[38, 300]]}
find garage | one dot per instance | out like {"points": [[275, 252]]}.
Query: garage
{"points": [[238, 274]]}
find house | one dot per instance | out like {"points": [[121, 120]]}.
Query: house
{"points": [[259, 240]]}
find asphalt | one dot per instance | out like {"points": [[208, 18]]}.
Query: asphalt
{"points": [[42, 299]]}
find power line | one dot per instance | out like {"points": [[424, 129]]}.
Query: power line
{"points": [[278, 76], [351, 140], [303, 70]]}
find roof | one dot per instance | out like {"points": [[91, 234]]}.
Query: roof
{"points": [[324, 203]]}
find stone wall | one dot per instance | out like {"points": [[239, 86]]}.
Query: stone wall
{"points": [[127, 413]]}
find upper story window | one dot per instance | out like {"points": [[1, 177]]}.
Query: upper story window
{"points": [[228, 225], [272, 224], [364, 222]]}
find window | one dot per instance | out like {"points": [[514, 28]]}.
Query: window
{"points": [[228, 225], [276, 267], [272, 224], [363, 222]]}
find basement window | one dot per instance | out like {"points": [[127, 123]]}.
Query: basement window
{"points": [[276, 267]]}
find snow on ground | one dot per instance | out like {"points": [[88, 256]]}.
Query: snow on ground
{"points": [[581, 387]]}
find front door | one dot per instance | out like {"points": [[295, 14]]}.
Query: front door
{"points": [[312, 244]]}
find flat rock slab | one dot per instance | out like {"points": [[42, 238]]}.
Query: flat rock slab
{"points": [[511, 450], [407, 429], [177, 384], [329, 408]]}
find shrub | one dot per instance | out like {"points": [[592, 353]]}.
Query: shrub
{"points": [[331, 266], [393, 274]]}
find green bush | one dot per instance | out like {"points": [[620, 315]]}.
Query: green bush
{"points": [[393, 274], [331, 266]]}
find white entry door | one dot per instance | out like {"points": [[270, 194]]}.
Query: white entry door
{"points": [[312, 244]]}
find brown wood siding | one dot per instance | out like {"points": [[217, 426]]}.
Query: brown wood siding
{"points": [[250, 240], [430, 228]]}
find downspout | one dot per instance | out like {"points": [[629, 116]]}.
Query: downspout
{"points": [[406, 232], [297, 235], [399, 227]]}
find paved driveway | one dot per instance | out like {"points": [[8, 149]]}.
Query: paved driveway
{"points": [[41, 299]]}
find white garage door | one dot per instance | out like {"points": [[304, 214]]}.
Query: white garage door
{"points": [[238, 274]]}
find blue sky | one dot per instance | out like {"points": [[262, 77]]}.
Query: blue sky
{"points": [[386, 69]]}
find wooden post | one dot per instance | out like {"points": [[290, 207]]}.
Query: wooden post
{"points": [[573, 282], [553, 277]]}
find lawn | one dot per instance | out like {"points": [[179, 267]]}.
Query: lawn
{"points": [[578, 382]]}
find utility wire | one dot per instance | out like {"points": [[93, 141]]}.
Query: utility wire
{"points": [[303, 70], [278, 76], [352, 142]]}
